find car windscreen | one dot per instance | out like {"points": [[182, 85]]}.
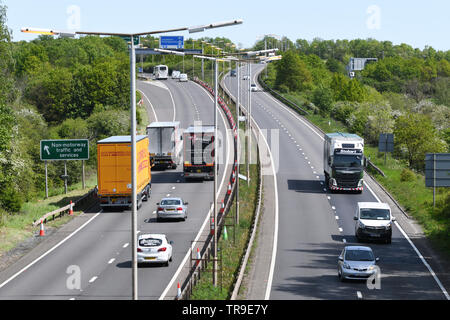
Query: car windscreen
{"points": [[170, 202], [347, 161], [150, 242], [374, 214], [359, 255]]}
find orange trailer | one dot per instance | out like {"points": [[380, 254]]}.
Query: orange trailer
{"points": [[114, 171]]}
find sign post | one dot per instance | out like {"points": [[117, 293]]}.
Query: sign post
{"points": [[58, 150], [386, 144], [437, 171]]}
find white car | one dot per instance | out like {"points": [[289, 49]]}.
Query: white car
{"points": [[245, 78], [175, 74], [183, 77], [253, 87], [373, 221], [154, 248]]}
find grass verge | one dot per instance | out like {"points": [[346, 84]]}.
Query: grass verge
{"points": [[233, 248]]}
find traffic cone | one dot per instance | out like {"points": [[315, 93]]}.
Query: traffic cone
{"points": [[225, 233], [178, 291], [233, 177], [42, 231], [212, 226], [229, 189], [222, 208], [71, 209], [199, 257]]}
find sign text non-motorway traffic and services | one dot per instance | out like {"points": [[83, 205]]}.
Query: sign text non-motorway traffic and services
{"points": [[65, 149]]}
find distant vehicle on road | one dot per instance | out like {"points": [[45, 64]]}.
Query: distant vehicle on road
{"points": [[373, 221], [175, 74], [161, 72], [253, 87], [183, 77], [171, 208], [356, 263], [165, 144], [343, 161], [154, 248], [233, 73], [198, 146], [246, 77]]}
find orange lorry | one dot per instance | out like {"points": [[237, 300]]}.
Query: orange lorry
{"points": [[114, 171]]}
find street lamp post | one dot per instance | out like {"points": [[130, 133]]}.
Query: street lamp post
{"points": [[133, 113]]}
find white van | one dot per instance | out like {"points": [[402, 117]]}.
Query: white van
{"points": [[373, 221]]}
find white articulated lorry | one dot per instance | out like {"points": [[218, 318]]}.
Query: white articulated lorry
{"points": [[165, 144], [343, 161]]}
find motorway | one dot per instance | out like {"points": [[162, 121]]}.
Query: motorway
{"points": [[314, 225], [100, 246]]}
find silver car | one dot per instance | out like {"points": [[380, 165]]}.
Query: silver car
{"points": [[356, 262], [171, 208]]}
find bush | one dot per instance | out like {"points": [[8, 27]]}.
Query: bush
{"points": [[407, 175], [10, 199]]}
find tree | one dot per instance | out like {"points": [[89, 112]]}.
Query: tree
{"points": [[416, 134], [292, 72], [323, 98]]}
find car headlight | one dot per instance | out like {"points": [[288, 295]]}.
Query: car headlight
{"points": [[388, 226], [333, 182], [360, 183], [346, 265], [361, 225], [371, 268]]}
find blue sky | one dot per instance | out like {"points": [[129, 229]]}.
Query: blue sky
{"points": [[417, 23]]}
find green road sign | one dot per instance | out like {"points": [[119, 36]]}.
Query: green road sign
{"points": [[128, 39], [65, 149]]}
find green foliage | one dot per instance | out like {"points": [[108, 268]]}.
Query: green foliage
{"points": [[407, 175], [415, 133], [323, 98], [292, 72]]}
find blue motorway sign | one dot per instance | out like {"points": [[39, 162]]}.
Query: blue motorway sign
{"points": [[171, 42]]}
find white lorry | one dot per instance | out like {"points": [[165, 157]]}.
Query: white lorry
{"points": [[343, 161], [165, 144]]}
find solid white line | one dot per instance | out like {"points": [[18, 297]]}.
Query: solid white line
{"points": [[173, 103], [187, 256], [111, 261], [51, 250], [151, 106], [359, 294], [444, 291], [125, 245], [344, 241], [275, 240], [404, 234], [447, 296], [93, 279]]}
